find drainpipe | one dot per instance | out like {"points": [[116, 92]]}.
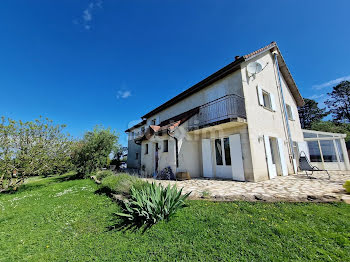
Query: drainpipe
{"points": [[285, 113], [176, 148]]}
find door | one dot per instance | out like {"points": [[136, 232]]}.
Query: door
{"points": [[236, 157], [282, 158], [270, 162], [207, 158], [223, 158]]}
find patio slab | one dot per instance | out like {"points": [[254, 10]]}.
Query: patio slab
{"points": [[292, 188]]}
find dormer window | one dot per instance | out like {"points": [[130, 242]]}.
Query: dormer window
{"points": [[153, 122]]}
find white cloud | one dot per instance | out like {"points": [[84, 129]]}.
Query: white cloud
{"points": [[316, 97], [123, 94], [331, 83], [87, 16]]}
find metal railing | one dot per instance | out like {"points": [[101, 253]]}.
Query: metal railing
{"points": [[224, 108]]}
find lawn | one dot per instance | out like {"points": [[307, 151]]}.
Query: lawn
{"points": [[56, 220]]}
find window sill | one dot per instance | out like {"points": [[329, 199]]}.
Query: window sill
{"points": [[269, 109]]}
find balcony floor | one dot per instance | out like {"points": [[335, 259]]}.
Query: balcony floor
{"points": [[228, 123]]}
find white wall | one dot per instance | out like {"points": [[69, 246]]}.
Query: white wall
{"points": [[262, 121]]}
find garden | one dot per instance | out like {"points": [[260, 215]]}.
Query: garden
{"points": [[51, 210]]}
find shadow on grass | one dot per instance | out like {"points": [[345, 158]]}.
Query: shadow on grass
{"points": [[124, 225], [42, 182], [104, 191], [121, 223]]}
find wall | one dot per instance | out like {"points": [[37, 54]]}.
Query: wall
{"points": [[225, 130], [262, 121], [133, 148], [231, 84]]}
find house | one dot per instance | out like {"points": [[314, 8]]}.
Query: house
{"points": [[239, 123]]}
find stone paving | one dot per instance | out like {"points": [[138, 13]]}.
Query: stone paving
{"points": [[292, 188]]}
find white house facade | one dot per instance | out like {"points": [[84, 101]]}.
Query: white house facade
{"points": [[236, 124]]}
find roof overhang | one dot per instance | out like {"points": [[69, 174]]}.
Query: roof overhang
{"points": [[283, 69]]}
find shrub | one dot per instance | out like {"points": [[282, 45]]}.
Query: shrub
{"points": [[100, 175], [347, 186], [90, 153], [151, 204], [122, 183]]}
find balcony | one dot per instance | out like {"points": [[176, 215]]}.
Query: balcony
{"points": [[225, 109]]}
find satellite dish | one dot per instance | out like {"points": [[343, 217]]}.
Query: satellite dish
{"points": [[254, 67]]}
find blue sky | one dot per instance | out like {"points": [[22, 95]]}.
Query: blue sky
{"points": [[108, 62]]}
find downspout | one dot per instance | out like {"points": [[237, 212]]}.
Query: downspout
{"points": [[176, 148], [285, 113]]}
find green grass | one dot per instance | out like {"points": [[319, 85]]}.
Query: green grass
{"points": [[58, 219]]}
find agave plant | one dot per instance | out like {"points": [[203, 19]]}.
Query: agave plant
{"points": [[152, 203]]}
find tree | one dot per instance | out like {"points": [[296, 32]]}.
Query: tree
{"points": [[330, 126], [339, 102], [91, 153], [8, 176], [310, 113], [119, 156], [32, 148]]}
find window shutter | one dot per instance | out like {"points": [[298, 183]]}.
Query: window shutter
{"points": [[260, 95], [273, 104]]}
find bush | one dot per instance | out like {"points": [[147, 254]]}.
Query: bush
{"points": [[100, 175], [91, 153], [122, 183], [151, 204], [347, 186]]}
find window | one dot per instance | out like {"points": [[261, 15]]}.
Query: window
{"points": [[289, 112], [146, 149], [267, 100], [314, 150], [328, 151], [153, 122], [340, 151], [165, 146], [309, 135], [143, 129], [218, 152], [227, 151], [132, 135], [137, 156], [222, 151]]}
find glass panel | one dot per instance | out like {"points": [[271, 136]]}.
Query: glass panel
{"points": [[272, 148], [340, 151], [328, 151], [165, 145], [309, 135], [267, 102], [218, 152], [322, 135], [315, 154], [289, 112], [227, 151]]}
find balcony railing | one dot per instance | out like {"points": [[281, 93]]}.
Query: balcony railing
{"points": [[223, 109]]}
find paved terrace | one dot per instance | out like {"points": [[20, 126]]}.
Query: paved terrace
{"points": [[292, 188]]}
